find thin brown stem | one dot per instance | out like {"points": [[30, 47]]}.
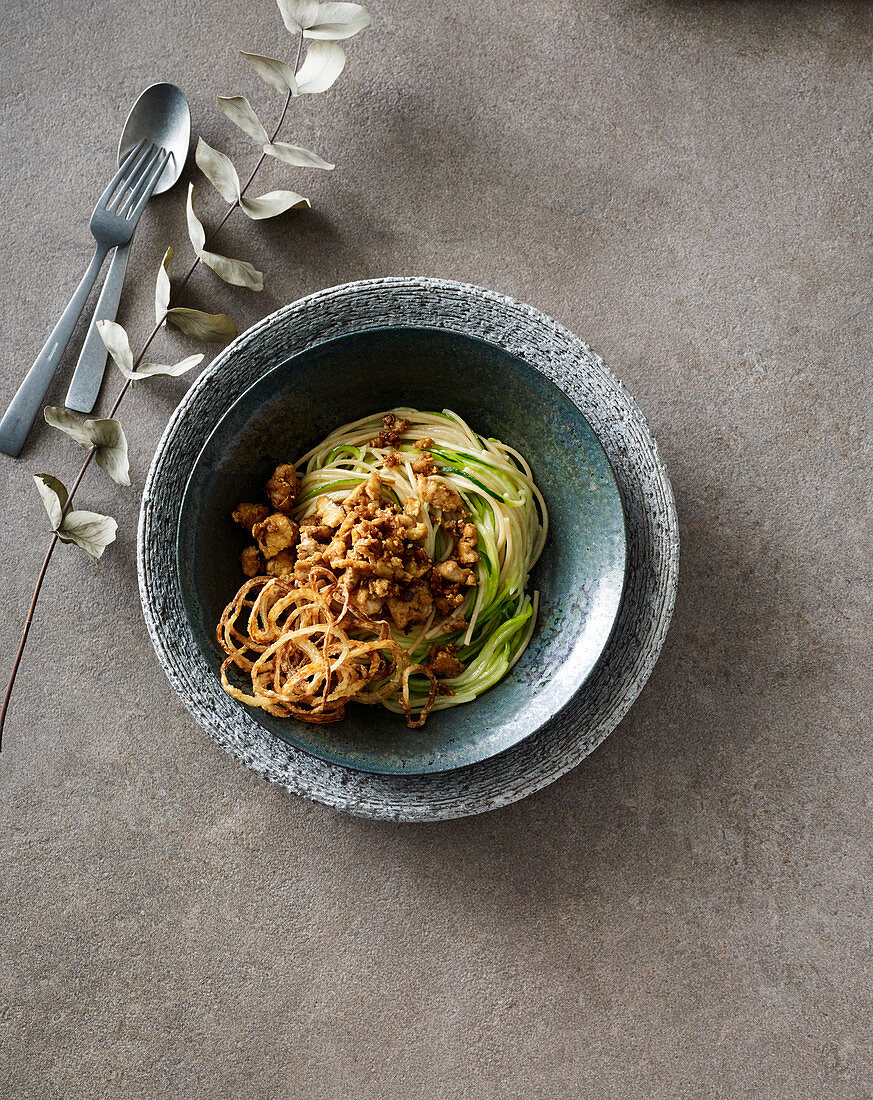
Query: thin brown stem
{"points": [[123, 391], [20, 653]]}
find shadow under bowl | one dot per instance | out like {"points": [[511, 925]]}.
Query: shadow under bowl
{"points": [[580, 575]]}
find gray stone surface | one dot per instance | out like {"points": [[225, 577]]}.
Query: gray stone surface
{"points": [[686, 186]]}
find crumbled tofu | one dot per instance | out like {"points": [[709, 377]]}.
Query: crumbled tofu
{"points": [[275, 533], [252, 561], [281, 564], [440, 495], [247, 515], [443, 661], [283, 488]]}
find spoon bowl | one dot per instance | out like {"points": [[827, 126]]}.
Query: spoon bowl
{"points": [[161, 114]]}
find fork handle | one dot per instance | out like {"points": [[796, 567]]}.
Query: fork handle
{"points": [[19, 417], [88, 375]]}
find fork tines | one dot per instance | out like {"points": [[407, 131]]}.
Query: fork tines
{"points": [[134, 180], [140, 194]]}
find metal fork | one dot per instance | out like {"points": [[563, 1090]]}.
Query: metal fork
{"points": [[112, 223]]}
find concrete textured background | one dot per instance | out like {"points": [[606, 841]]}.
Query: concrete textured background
{"points": [[687, 186]]}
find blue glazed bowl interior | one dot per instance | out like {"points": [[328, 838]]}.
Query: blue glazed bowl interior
{"points": [[579, 577]]}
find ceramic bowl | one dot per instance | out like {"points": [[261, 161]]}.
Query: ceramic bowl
{"points": [[305, 396], [521, 377]]}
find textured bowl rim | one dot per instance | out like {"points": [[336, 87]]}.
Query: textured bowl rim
{"points": [[650, 518]]}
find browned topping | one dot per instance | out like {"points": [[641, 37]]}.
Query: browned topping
{"points": [[275, 533], [443, 661], [413, 531], [447, 596], [331, 514], [393, 458], [425, 464], [426, 444], [252, 561], [413, 606], [467, 552], [451, 571], [281, 564], [371, 489], [391, 432], [363, 561], [283, 488], [374, 553], [247, 515], [440, 495]]}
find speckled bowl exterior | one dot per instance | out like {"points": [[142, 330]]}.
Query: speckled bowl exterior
{"points": [[651, 541]]}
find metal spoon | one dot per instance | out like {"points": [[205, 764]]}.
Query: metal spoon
{"points": [[161, 115]]}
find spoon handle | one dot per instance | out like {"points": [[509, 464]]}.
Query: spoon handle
{"points": [[18, 418], [88, 376]]}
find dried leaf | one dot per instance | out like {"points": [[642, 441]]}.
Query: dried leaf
{"points": [[89, 530], [241, 113], [272, 204], [117, 344], [237, 272], [298, 14], [106, 436], [296, 155], [149, 370], [196, 232], [54, 497], [324, 62], [109, 439], [162, 287], [205, 326], [68, 424], [219, 170], [334, 21], [278, 74]]}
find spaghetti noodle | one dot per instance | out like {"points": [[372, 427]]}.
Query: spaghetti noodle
{"points": [[392, 572]]}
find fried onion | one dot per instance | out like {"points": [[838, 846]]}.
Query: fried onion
{"points": [[306, 655]]}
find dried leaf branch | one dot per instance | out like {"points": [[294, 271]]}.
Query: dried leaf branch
{"points": [[320, 24]]}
